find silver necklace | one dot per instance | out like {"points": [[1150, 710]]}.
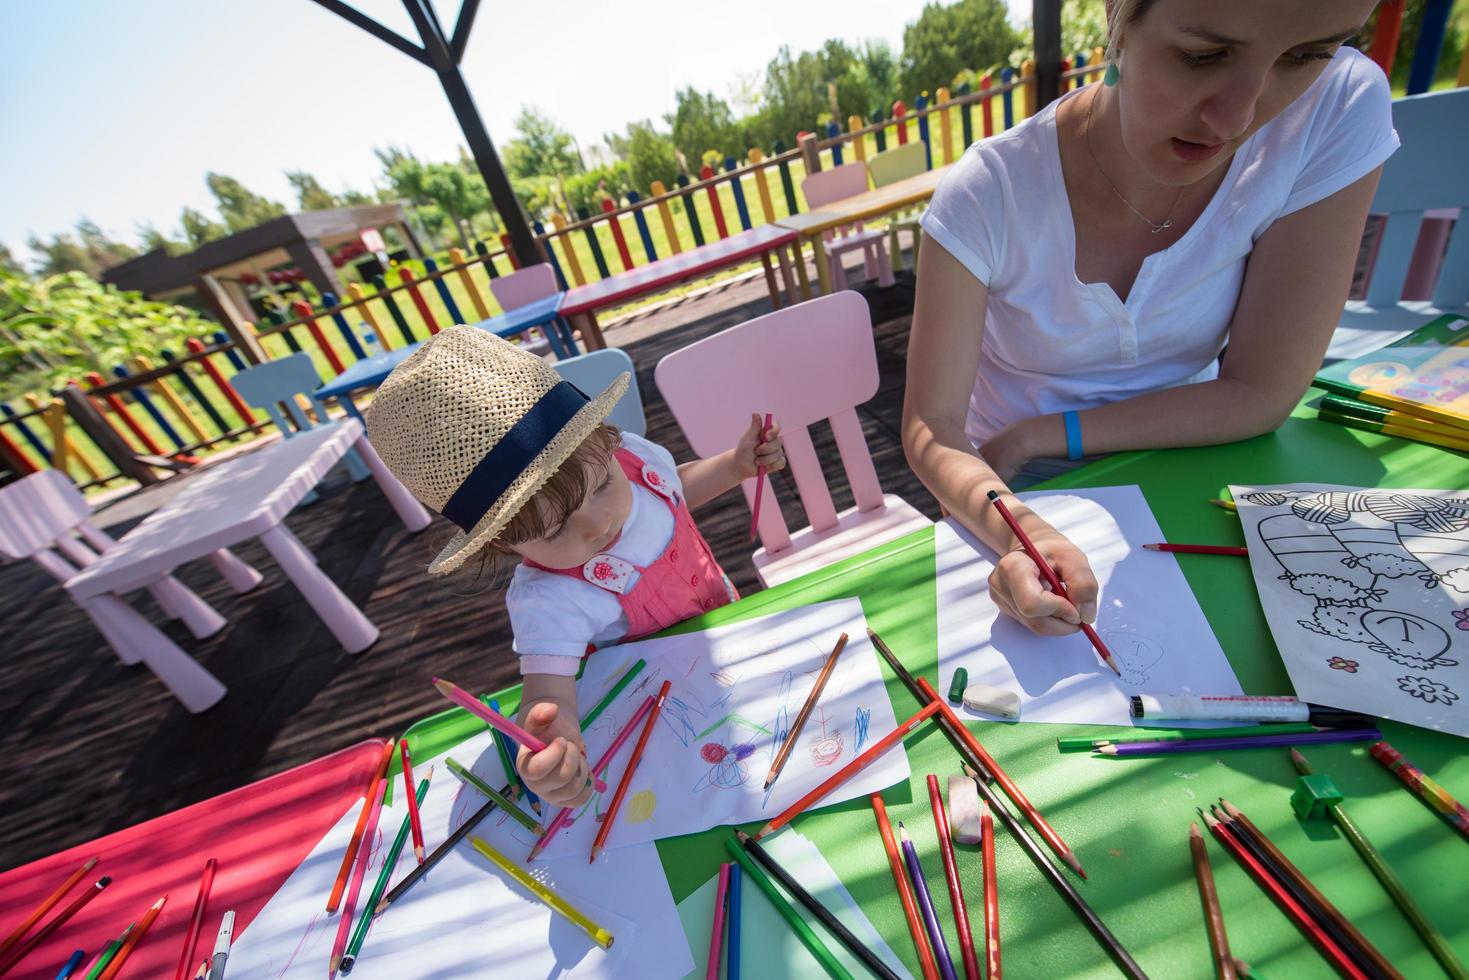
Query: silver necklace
{"points": [[1167, 221]]}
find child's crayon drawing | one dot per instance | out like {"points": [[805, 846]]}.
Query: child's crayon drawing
{"points": [[859, 728], [826, 748]]}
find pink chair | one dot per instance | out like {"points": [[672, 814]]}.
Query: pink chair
{"points": [[837, 184], [525, 286], [805, 363], [39, 517]]}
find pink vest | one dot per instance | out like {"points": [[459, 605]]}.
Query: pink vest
{"points": [[682, 583]]}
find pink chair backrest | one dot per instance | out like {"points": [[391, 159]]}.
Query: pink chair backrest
{"points": [[524, 286], [34, 512], [805, 363], [836, 184]]}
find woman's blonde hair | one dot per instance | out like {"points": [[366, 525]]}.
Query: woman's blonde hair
{"points": [[1121, 13]]}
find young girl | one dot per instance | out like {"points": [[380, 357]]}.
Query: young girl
{"points": [[491, 437]]}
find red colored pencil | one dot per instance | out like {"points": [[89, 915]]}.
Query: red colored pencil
{"points": [[564, 817], [1200, 549], [20, 952], [413, 819], [991, 891], [632, 766], [1047, 832], [1288, 905], [196, 920], [905, 890], [381, 773], [849, 770], [759, 482], [951, 875], [1049, 574], [359, 872], [47, 905], [126, 950]]}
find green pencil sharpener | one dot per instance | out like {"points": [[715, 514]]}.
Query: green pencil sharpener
{"points": [[1314, 793], [957, 685]]}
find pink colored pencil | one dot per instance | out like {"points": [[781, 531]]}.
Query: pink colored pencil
{"points": [[364, 858], [564, 817], [759, 481], [716, 933], [196, 919]]}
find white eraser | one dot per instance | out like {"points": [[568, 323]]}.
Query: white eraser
{"points": [[963, 810], [992, 700]]}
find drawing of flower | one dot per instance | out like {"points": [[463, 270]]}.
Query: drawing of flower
{"points": [[1426, 690], [1342, 663], [1462, 617]]}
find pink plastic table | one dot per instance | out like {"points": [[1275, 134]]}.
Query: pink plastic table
{"points": [[581, 303], [247, 497], [258, 833]]}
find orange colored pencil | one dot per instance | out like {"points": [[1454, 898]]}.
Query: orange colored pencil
{"points": [[380, 774], [805, 712], [359, 871], [991, 892], [137, 936], [905, 890], [632, 765], [201, 900], [414, 821], [28, 946], [849, 770], [1047, 832], [951, 876], [46, 906]]}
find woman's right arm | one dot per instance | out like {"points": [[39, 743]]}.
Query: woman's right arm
{"points": [[943, 358]]}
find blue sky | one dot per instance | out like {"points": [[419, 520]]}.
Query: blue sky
{"points": [[115, 110]]}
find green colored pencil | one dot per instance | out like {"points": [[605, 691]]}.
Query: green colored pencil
{"points": [[803, 931], [1089, 743], [108, 953], [489, 792], [359, 931], [1391, 883], [611, 695], [507, 762]]}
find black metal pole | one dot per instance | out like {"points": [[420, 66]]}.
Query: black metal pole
{"points": [[1046, 18]]}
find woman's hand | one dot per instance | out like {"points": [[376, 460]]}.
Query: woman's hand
{"points": [[560, 773], [750, 453], [1008, 450], [1020, 590]]}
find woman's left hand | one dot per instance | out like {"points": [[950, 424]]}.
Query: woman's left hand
{"points": [[750, 453], [1008, 450]]}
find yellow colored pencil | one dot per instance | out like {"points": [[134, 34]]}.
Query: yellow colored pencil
{"points": [[599, 935]]}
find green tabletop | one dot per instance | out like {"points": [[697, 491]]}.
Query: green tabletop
{"points": [[1128, 820]]}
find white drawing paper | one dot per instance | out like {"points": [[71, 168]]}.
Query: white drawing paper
{"points": [[769, 948], [1367, 595], [466, 917], [1147, 615], [735, 692]]}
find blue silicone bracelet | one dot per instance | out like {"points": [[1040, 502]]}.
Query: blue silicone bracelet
{"points": [[1072, 422]]}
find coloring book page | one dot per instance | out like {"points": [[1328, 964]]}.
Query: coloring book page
{"points": [[1147, 616], [1367, 596], [736, 690]]}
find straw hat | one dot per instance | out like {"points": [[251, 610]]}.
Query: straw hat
{"points": [[474, 426]]}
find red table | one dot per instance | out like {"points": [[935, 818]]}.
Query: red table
{"points": [[581, 303], [259, 834]]}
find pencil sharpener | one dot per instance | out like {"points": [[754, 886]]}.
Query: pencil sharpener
{"points": [[1314, 793]]}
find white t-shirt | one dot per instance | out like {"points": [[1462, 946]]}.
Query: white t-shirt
{"points": [[554, 617], [1053, 343]]}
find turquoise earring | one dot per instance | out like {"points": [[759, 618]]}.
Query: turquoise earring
{"points": [[1111, 75]]}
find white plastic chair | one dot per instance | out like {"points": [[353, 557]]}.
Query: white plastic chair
{"points": [[826, 367], [888, 167], [46, 519], [594, 371], [837, 184]]}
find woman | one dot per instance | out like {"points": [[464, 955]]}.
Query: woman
{"points": [[1089, 266]]}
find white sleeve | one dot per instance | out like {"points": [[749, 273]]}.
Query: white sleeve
{"points": [[966, 215], [654, 455], [1351, 133], [551, 628]]}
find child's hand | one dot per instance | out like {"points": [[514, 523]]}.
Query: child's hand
{"points": [[560, 773], [750, 453]]}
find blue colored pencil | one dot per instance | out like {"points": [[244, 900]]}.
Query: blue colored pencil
{"points": [[507, 759], [732, 954], [72, 965]]}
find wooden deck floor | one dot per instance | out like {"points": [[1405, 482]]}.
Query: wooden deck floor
{"points": [[91, 746]]}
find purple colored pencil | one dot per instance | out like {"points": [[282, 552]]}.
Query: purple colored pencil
{"points": [[1250, 742], [925, 905]]}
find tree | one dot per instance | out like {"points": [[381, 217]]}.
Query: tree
{"points": [[309, 192], [151, 238], [877, 67], [650, 156], [945, 40], [456, 193], [89, 251], [1083, 27], [805, 91], [240, 207], [542, 149], [702, 122], [8, 261], [199, 228]]}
